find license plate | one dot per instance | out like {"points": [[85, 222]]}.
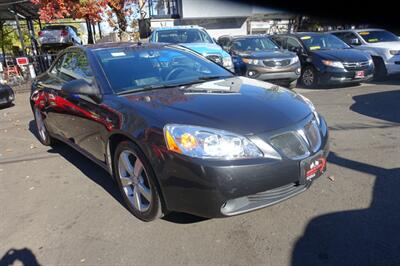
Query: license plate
{"points": [[312, 168], [359, 74]]}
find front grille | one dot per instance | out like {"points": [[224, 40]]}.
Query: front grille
{"points": [[262, 199], [290, 144], [216, 58], [298, 144], [277, 63], [356, 65]]}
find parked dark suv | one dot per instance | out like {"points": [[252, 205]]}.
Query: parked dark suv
{"points": [[260, 58], [325, 59]]}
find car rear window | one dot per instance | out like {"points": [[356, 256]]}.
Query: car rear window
{"points": [[183, 36], [55, 27]]}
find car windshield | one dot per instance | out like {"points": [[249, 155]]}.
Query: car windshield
{"points": [[254, 44], [183, 36], [131, 69], [323, 42], [378, 36]]}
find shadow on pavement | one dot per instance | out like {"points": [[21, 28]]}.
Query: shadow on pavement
{"points": [[381, 105], [358, 237], [390, 80], [23, 257], [85, 165], [183, 218]]}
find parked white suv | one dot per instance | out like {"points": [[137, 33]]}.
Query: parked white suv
{"points": [[382, 45]]}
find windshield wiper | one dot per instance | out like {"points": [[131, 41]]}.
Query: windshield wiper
{"points": [[147, 88]]}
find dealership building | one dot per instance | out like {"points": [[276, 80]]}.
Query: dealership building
{"points": [[219, 17]]}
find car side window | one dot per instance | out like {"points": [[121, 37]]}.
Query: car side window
{"points": [[73, 65], [292, 44]]}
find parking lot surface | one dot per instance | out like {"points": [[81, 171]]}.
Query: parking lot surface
{"points": [[58, 208]]}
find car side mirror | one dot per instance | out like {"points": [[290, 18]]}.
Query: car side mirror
{"points": [[81, 87], [355, 41], [298, 50]]}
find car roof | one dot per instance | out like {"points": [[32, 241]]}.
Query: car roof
{"points": [[358, 30], [179, 27], [301, 34]]}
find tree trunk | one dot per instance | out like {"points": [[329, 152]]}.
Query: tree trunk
{"points": [[2, 41]]}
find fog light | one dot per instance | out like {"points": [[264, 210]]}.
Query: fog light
{"points": [[298, 71], [251, 73]]}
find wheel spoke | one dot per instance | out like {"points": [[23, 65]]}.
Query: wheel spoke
{"points": [[136, 199], [138, 168], [126, 181], [126, 163], [144, 191]]}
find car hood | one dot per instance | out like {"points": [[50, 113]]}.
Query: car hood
{"points": [[386, 45], [206, 48], [281, 54], [236, 104], [343, 55]]}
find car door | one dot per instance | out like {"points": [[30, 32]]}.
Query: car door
{"points": [[85, 122], [293, 45]]}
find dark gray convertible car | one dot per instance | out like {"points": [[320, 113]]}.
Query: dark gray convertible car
{"points": [[178, 132]]}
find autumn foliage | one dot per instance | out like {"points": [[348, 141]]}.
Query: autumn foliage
{"points": [[116, 10]]}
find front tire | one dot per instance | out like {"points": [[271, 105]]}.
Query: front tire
{"points": [[43, 134], [380, 72], [309, 77], [136, 182]]}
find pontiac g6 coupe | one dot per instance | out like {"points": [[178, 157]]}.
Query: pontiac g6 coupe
{"points": [[178, 132]]}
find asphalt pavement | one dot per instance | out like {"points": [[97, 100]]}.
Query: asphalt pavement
{"points": [[58, 208]]}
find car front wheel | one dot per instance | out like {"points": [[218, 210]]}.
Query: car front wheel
{"points": [[136, 182], [309, 77]]}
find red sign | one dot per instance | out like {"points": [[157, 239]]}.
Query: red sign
{"points": [[22, 61]]}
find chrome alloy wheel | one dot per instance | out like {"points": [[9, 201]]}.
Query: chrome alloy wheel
{"points": [[40, 125], [134, 181], [308, 77]]}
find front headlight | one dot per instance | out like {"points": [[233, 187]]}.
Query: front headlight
{"points": [[227, 62], [394, 52], [333, 63], [252, 61], [294, 60], [208, 143], [312, 107]]}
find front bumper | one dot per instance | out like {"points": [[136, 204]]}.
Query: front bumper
{"points": [[288, 73], [206, 187], [342, 76]]}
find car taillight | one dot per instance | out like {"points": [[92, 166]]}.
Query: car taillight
{"points": [[64, 33], [40, 33]]}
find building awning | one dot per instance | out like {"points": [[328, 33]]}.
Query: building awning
{"points": [[24, 8]]}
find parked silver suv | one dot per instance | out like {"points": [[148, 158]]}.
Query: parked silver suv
{"points": [[382, 45], [59, 35]]}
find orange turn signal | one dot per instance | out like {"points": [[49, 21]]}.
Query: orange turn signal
{"points": [[171, 144]]}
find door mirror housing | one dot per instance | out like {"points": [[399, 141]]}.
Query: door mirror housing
{"points": [[81, 87], [298, 50]]}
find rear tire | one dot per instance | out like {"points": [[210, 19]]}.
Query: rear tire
{"points": [[42, 133], [136, 182], [380, 69], [309, 77]]}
